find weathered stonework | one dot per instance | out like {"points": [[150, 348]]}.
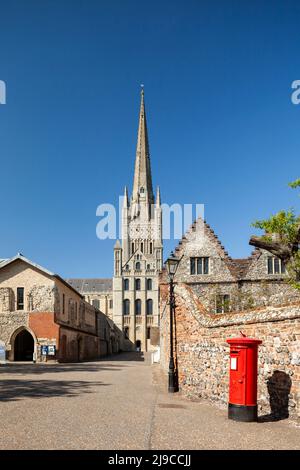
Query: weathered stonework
{"points": [[51, 313], [202, 353]]}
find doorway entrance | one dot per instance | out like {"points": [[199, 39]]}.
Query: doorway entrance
{"points": [[24, 346]]}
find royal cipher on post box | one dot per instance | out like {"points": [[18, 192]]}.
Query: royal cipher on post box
{"points": [[242, 405]]}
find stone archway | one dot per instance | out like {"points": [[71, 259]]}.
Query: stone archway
{"points": [[23, 345]]}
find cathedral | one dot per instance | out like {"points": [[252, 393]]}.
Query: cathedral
{"points": [[132, 299], [138, 258]]}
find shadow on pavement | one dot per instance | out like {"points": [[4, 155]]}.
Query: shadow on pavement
{"points": [[125, 356], [89, 366], [12, 390]]}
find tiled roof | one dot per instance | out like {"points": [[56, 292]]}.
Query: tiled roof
{"points": [[88, 286]]}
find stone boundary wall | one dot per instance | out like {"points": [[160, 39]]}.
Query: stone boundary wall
{"points": [[202, 353]]}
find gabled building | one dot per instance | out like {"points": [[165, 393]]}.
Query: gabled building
{"points": [[224, 284], [42, 317], [138, 257]]}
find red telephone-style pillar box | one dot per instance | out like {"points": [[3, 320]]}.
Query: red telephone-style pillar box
{"points": [[242, 405]]}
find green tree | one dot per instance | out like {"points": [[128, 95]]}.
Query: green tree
{"points": [[282, 239]]}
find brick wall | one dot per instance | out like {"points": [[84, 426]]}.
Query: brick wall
{"points": [[203, 355]]}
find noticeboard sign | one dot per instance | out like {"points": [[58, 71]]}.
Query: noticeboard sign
{"points": [[51, 350]]}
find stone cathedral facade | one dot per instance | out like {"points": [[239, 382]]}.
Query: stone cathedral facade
{"points": [[138, 258]]}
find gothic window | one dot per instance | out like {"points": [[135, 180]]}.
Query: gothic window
{"points": [[148, 267], [142, 247], [138, 266], [126, 284], [132, 248], [149, 307], [96, 303], [137, 284], [222, 303], [148, 332], [199, 265], [275, 265], [110, 303], [126, 332], [138, 307], [151, 248], [149, 284], [20, 298], [142, 190], [126, 307]]}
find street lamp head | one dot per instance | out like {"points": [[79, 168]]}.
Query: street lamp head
{"points": [[171, 265]]}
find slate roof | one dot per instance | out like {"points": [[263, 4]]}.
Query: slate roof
{"points": [[88, 286]]}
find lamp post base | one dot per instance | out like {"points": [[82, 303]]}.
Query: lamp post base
{"points": [[172, 383], [244, 413]]}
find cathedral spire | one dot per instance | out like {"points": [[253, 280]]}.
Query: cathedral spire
{"points": [[142, 183]]}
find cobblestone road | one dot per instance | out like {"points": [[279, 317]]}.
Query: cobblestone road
{"points": [[118, 403]]}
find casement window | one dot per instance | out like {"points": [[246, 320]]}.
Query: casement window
{"points": [[199, 265], [149, 307], [137, 284], [138, 307], [149, 284], [126, 307], [126, 284], [20, 298], [275, 265], [96, 303], [222, 303]]}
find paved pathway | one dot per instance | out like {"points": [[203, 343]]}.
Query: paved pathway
{"points": [[118, 403]]}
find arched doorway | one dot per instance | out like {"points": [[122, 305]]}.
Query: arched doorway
{"points": [[23, 346]]}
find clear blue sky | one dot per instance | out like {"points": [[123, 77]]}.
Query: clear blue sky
{"points": [[222, 128]]}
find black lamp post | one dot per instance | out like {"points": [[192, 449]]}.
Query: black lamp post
{"points": [[171, 265]]}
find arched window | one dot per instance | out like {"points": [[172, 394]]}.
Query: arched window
{"points": [[142, 247], [132, 248], [142, 190], [126, 284], [151, 248], [138, 307], [126, 307], [138, 266], [149, 284], [149, 307], [137, 284]]}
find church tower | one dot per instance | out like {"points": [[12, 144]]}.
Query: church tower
{"points": [[138, 258]]}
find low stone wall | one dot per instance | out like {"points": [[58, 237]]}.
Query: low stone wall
{"points": [[202, 353]]}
